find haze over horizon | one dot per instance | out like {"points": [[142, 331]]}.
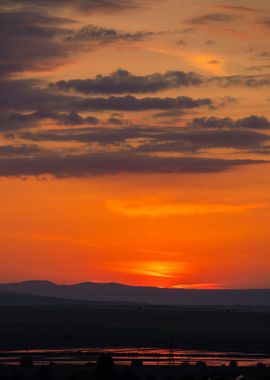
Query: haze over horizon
{"points": [[202, 286], [135, 142], [34, 292]]}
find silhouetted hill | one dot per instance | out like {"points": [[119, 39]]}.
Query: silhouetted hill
{"points": [[113, 292], [24, 299]]}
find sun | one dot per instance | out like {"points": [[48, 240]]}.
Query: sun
{"points": [[161, 269]]}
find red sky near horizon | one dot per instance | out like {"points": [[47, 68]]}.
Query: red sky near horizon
{"points": [[134, 142]]}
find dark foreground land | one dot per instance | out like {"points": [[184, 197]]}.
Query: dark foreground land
{"points": [[133, 373], [231, 329]]}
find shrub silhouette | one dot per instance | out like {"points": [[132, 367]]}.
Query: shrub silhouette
{"points": [[137, 363], [26, 361], [201, 363], [233, 364], [261, 365], [105, 367]]}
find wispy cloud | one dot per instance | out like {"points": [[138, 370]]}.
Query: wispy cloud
{"points": [[155, 209], [211, 18], [239, 8], [162, 269], [200, 285]]}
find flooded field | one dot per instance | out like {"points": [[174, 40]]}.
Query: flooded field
{"points": [[125, 356]]}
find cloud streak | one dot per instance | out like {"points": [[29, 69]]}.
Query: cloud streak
{"points": [[33, 40], [131, 103], [163, 209], [113, 163], [124, 82], [201, 133], [211, 18], [149, 208], [80, 5], [92, 33]]}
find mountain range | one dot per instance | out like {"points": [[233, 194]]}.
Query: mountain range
{"points": [[46, 292]]}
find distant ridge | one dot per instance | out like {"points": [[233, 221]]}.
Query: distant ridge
{"points": [[118, 293], [24, 299]]}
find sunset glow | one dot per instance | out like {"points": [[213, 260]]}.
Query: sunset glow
{"points": [[134, 142]]}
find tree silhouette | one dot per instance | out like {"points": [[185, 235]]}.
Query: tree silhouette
{"points": [[26, 361], [105, 367], [233, 364]]}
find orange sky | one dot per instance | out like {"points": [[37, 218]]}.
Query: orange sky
{"points": [[197, 225]]}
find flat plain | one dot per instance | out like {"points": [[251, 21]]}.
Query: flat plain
{"points": [[219, 329]]}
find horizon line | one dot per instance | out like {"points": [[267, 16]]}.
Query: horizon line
{"points": [[173, 287]]}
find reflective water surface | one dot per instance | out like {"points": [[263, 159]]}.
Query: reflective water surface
{"points": [[124, 356]]}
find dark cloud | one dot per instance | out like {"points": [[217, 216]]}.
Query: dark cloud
{"points": [[102, 135], [31, 23], [224, 139], [224, 102], [209, 42], [19, 150], [169, 114], [30, 41], [81, 5], [213, 62], [188, 30], [266, 21], [181, 42], [258, 68], [250, 122], [12, 122], [113, 163], [201, 134], [92, 33], [241, 80], [241, 8], [8, 124], [116, 121], [122, 82], [29, 95], [161, 147], [34, 39], [263, 55], [22, 96], [210, 18], [94, 135], [131, 103], [253, 122], [198, 140], [71, 118]]}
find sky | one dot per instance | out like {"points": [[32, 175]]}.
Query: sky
{"points": [[135, 142]]}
